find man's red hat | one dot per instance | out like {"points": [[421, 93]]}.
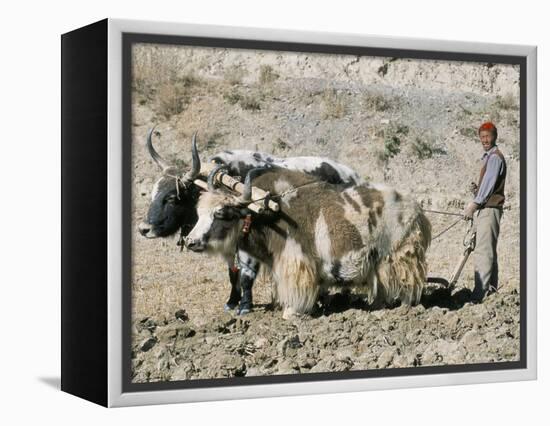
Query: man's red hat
{"points": [[488, 126]]}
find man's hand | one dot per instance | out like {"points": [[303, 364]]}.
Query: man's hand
{"points": [[473, 188], [470, 209]]}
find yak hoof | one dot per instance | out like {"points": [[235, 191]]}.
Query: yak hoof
{"points": [[243, 311], [229, 307], [289, 313]]}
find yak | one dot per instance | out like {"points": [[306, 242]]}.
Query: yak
{"points": [[365, 236], [174, 200]]}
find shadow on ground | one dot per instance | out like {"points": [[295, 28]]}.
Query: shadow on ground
{"points": [[443, 298], [440, 297]]}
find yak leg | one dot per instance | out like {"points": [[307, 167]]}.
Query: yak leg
{"points": [[249, 267], [235, 295], [297, 280]]}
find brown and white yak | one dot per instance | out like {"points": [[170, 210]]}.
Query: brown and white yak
{"points": [[363, 236]]}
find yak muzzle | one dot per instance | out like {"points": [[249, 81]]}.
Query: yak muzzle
{"points": [[194, 245], [145, 230]]}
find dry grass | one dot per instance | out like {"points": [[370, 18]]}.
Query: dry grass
{"points": [[234, 75], [267, 74], [232, 97], [248, 102], [281, 145], [161, 80], [507, 102], [424, 148], [334, 104], [377, 102], [171, 99], [468, 132]]}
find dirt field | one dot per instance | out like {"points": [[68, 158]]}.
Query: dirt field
{"points": [[407, 123]]}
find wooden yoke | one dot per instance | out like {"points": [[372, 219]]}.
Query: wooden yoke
{"points": [[238, 187]]}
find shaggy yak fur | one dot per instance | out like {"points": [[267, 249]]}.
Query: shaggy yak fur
{"points": [[362, 236]]}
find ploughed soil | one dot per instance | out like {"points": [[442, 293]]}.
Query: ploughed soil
{"points": [[405, 123], [343, 335]]}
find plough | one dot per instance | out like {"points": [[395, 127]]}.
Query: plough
{"points": [[469, 243]]}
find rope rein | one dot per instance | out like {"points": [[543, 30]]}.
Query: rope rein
{"points": [[443, 213], [179, 181], [447, 229]]}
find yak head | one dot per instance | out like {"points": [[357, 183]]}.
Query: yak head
{"points": [[219, 217], [173, 198]]}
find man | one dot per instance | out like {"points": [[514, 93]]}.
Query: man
{"points": [[488, 202]]}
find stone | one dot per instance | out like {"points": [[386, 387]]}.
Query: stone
{"points": [[148, 344], [182, 315], [385, 358]]}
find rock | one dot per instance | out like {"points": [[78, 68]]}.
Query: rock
{"points": [[287, 367], [167, 333], [418, 309], [186, 332], [332, 364], [270, 363], [146, 324], [253, 371], [210, 340], [378, 314], [413, 336], [228, 365], [261, 342], [385, 358], [182, 315], [451, 320], [148, 344], [355, 337], [306, 362], [344, 355], [471, 340], [432, 355], [183, 371], [402, 361], [290, 343], [323, 365], [173, 330]]}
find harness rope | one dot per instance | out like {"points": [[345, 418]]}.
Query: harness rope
{"points": [[443, 213], [179, 181], [452, 225], [447, 229]]}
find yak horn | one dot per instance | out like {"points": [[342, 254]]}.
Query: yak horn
{"points": [[212, 174], [196, 161], [246, 196], [154, 154]]}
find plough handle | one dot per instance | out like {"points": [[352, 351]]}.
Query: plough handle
{"points": [[470, 244]]}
